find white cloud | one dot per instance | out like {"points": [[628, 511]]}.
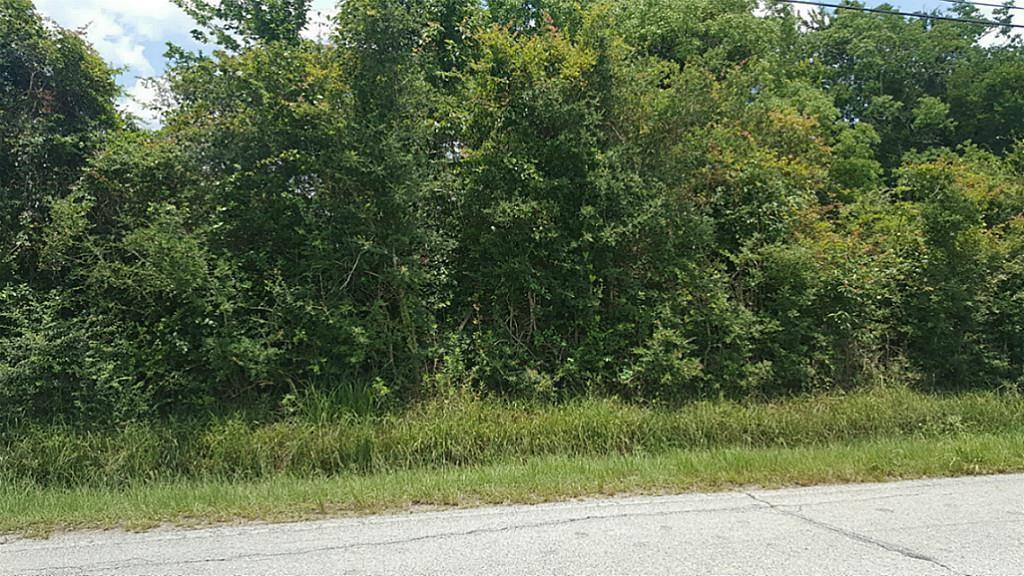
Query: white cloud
{"points": [[805, 10], [801, 10], [143, 101], [321, 19], [993, 37], [122, 30], [148, 19], [131, 34]]}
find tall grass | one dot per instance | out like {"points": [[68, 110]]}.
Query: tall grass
{"points": [[34, 510], [463, 431]]}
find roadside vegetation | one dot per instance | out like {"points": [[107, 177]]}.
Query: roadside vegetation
{"points": [[456, 235], [462, 431], [36, 512], [466, 451]]}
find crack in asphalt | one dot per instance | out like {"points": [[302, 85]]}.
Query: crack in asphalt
{"points": [[857, 500], [486, 524], [316, 525], [296, 527], [906, 552], [140, 562]]}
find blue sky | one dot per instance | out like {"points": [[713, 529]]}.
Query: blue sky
{"points": [[132, 34]]}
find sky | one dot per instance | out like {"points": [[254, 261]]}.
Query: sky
{"points": [[132, 34]]}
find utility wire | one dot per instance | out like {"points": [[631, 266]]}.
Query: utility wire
{"points": [[976, 4], [987, 23]]}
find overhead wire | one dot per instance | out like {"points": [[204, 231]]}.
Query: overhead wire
{"points": [[921, 15], [977, 4]]}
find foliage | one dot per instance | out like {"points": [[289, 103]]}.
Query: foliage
{"points": [[56, 104], [920, 82], [462, 430], [658, 201]]}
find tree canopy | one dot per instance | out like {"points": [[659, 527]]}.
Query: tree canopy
{"points": [[659, 200]]}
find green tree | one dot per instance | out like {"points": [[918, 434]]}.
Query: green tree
{"points": [[984, 97], [893, 72], [56, 104], [234, 23]]}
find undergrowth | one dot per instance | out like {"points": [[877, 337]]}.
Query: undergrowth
{"points": [[462, 430]]}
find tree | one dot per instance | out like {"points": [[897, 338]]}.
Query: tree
{"points": [[234, 23], [56, 105], [894, 73]]}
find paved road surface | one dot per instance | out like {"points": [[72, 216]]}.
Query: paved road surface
{"points": [[958, 526]]}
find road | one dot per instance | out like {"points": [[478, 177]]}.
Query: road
{"points": [[952, 526]]}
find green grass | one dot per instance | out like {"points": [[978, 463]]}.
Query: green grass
{"points": [[35, 511], [464, 431], [462, 451]]}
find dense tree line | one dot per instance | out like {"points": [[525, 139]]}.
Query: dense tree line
{"points": [[657, 200]]}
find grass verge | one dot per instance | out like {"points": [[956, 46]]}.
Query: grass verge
{"points": [[463, 450], [32, 510], [465, 431]]}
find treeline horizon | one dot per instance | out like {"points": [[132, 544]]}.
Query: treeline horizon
{"points": [[658, 201]]}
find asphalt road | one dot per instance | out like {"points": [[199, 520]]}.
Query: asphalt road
{"points": [[956, 526]]}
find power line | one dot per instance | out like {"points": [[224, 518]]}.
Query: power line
{"points": [[976, 4], [987, 23]]}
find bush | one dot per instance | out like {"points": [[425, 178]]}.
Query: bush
{"points": [[655, 204]]}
